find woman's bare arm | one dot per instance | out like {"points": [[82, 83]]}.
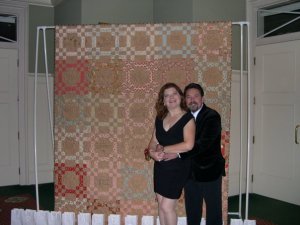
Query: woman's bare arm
{"points": [[154, 154]]}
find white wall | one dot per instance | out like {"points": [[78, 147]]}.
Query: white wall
{"points": [[235, 133], [45, 153], [116, 11], [172, 11]]}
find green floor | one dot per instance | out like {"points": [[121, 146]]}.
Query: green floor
{"points": [[46, 193], [275, 211]]}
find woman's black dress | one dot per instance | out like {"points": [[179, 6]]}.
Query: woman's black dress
{"points": [[170, 176]]}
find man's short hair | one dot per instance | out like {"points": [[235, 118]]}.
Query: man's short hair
{"points": [[196, 86]]}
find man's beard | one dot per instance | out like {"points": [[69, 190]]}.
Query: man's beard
{"points": [[193, 107]]}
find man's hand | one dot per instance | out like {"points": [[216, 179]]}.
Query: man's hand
{"points": [[169, 156], [157, 155], [166, 156]]}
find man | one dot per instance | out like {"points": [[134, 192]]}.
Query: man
{"points": [[208, 164]]}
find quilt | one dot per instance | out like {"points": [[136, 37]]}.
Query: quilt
{"points": [[107, 78]]}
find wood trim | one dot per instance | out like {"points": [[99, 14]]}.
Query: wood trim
{"points": [[47, 3]]}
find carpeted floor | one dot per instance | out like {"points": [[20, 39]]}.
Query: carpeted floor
{"points": [[267, 211], [260, 221], [7, 203]]}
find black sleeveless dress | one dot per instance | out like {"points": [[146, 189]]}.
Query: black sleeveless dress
{"points": [[170, 176]]}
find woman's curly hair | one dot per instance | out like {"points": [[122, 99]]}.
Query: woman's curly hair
{"points": [[161, 109]]}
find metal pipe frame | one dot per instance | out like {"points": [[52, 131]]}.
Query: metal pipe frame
{"points": [[241, 25], [43, 29]]}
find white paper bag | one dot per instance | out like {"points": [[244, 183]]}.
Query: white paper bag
{"points": [[84, 219], [236, 222], [131, 220], [147, 220], [114, 219], [97, 219], [181, 221], [41, 217], [68, 218], [54, 218], [28, 217], [16, 216]]}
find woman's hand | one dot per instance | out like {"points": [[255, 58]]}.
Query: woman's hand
{"points": [[157, 155]]}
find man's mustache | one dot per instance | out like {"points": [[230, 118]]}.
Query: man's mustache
{"points": [[193, 103]]}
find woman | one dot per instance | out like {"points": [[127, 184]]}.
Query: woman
{"points": [[174, 132]]}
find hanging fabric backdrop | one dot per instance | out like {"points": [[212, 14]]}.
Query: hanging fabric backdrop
{"points": [[106, 82]]}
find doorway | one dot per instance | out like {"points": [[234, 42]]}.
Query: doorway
{"points": [[276, 154], [277, 115], [9, 149], [12, 74]]}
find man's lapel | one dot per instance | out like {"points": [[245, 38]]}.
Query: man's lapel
{"points": [[200, 114]]}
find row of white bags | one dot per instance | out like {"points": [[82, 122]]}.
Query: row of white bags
{"points": [[33, 217]]}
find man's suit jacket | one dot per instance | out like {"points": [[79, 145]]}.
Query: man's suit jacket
{"points": [[207, 160]]}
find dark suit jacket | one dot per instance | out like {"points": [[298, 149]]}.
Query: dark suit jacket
{"points": [[207, 160]]}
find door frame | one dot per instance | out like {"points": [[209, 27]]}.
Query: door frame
{"points": [[20, 9], [252, 7], [267, 172]]}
